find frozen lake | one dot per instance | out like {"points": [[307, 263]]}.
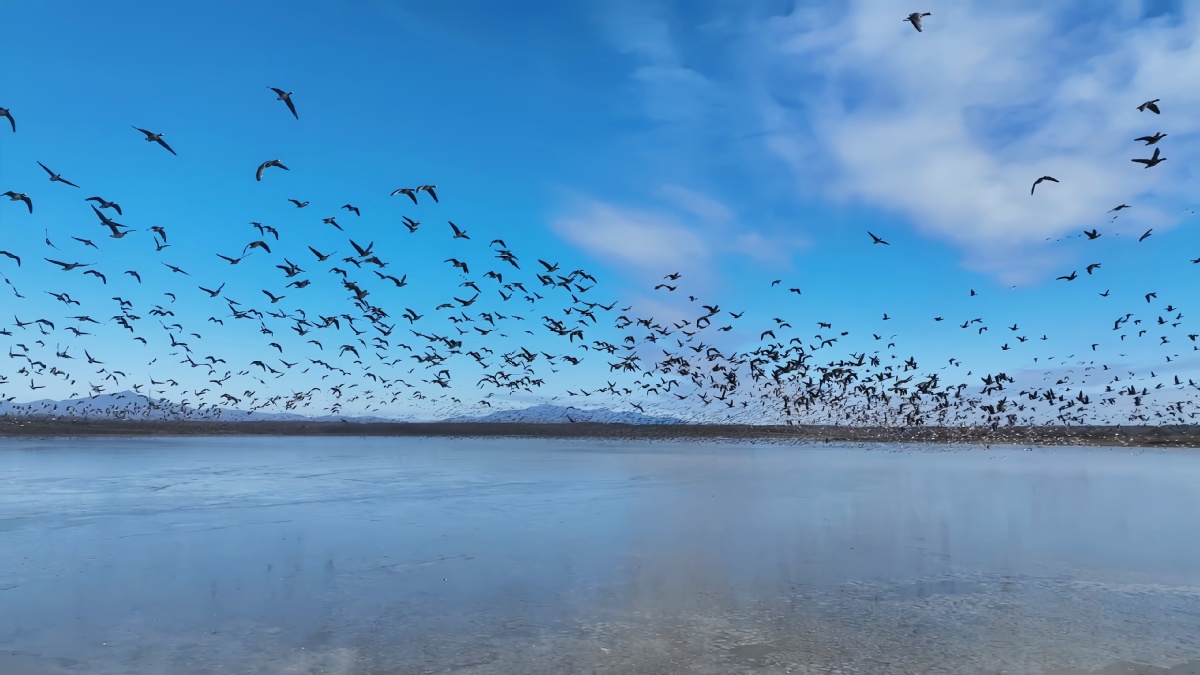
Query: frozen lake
{"points": [[373, 555]]}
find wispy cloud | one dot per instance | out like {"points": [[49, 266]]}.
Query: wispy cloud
{"points": [[945, 129]]}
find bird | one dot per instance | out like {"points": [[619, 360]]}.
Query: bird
{"points": [[915, 19], [1152, 106], [411, 192], [353, 209], [1038, 181], [105, 204], [1147, 234], [263, 167], [12, 256], [1153, 161], [1092, 267], [429, 189], [1151, 140], [1070, 277], [299, 204], [286, 97], [5, 112], [1119, 207], [458, 234], [156, 138], [67, 267], [20, 197], [56, 178], [1092, 234], [877, 240]]}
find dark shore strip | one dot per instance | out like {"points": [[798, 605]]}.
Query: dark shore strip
{"points": [[1140, 436]]}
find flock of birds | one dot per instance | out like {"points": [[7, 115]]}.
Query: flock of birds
{"points": [[375, 352]]}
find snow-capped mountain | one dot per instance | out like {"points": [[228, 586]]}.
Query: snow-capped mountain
{"points": [[554, 414]]}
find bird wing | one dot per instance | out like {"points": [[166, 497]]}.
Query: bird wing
{"points": [[291, 106], [164, 144], [258, 174]]}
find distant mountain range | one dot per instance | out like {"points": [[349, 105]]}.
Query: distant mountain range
{"points": [[135, 406], [552, 414]]}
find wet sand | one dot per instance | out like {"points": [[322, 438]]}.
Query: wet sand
{"points": [[1141, 436], [365, 556]]}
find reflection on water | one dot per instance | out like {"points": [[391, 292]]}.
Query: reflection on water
{"points": [[476, 556]]}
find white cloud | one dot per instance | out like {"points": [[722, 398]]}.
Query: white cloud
{"points": [[946, 129], [647, 241], [950, 127]]}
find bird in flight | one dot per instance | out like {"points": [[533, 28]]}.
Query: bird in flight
{"points": [[56, 178], [263, 167], [915, 19], [20, 197], [299, 204], [1118, 208], [4, 112], [1152, 106], [1151, 140], [104, 204], [877, 240], [1052, 179], [353, 209], [286, 97], [1153, 161], [1143, 237], [157, 138], [1092, 234]]}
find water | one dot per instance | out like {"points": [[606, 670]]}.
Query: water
{"points": [[366, 556]]}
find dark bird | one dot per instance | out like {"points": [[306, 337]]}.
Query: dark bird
{"points": [[56, 178], [1147, 234], [1118, 207], [286, 97], [411, 192], [274, 298], [156, 138], [1092, 267], [263, 167], [915, 19], [351, 208], [1038, 181], [321, 257], [104, 204], [4, 112], [67, 267], [1071, 277], [1092, 234], [11, 255], [429, 189], [20, 197], [333, 222], [1152, 106], [1153, 161], [458, 234], [1151, 140], [877, 240], [299, 204]]}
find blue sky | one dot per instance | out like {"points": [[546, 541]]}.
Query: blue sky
{"points": [[733, 142]]}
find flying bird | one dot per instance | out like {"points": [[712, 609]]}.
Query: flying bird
{"points": [[156, 138], [56, 178], [1119, 207], [4, 112], [20, 197], [104, 204], [1038, 181], [1143, 237], [1152, 106], [1151, 140], [877, 240], [286, 97], [1153, 161], [353, 209], [299, 204], [915, 19], [263, 167]]}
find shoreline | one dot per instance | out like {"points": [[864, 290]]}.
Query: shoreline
{"points": [[1110, 436]]}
